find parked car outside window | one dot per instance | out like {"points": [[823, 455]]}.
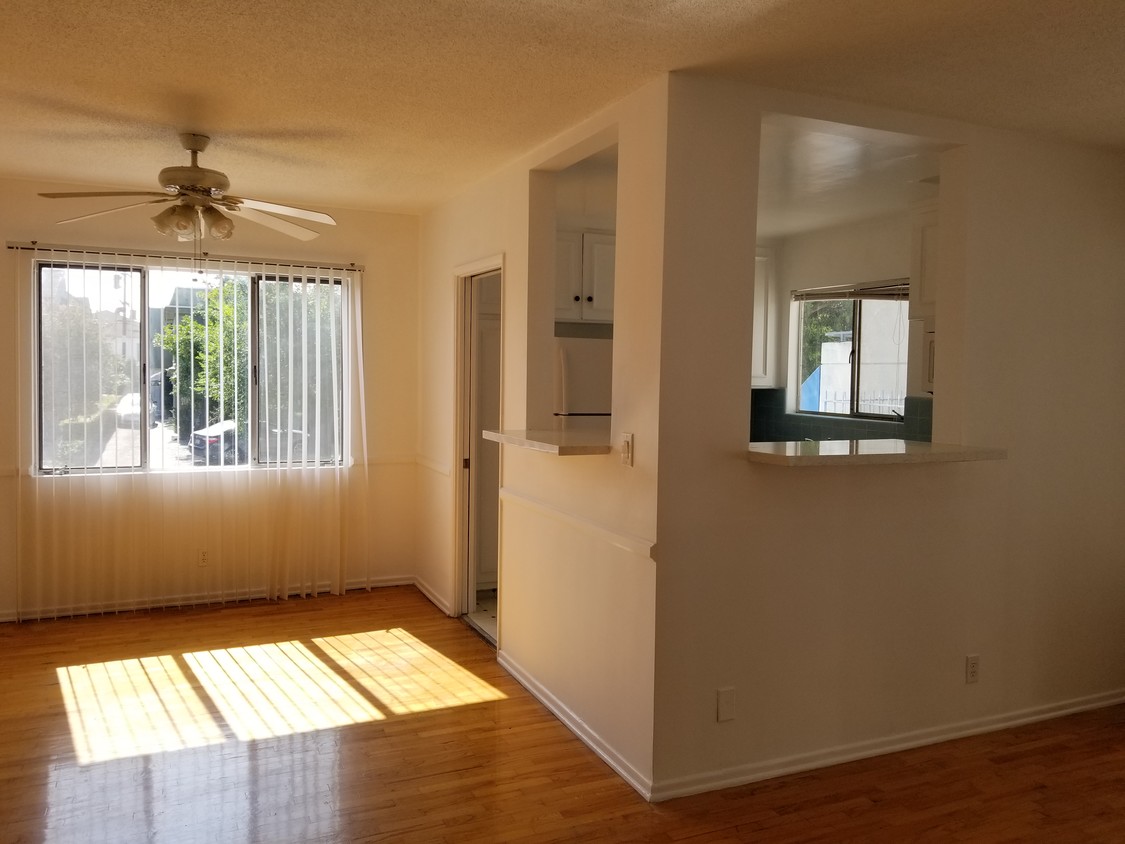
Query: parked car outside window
{"points": [[220, 444], [129, 411]]}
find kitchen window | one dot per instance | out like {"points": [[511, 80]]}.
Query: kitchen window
{"points": [[852, 349], [173, 364]]}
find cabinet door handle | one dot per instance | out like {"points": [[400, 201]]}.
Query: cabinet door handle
{"points": [[589, 298], [577, 298]]}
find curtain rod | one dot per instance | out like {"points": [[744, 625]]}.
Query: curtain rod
{"points": [[888, 288], [36, 246]]}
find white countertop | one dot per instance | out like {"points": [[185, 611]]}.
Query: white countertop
{"points": [[563, 443], [866, 452]]}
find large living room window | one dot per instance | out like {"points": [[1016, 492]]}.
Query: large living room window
{"points": [[151, 364]]}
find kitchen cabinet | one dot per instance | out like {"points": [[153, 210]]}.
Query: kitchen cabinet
{"points": [[568, 276], [924, 286], [921, 358], [923, 262], [764, 364], [584, 276]]}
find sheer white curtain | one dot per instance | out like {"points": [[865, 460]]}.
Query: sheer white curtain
{"points": [[191, 430]]}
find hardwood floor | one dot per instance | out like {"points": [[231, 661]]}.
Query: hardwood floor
{"points": [[373, 717]]}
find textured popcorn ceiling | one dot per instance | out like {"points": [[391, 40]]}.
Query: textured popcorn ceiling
{"points": [[396, 105]]}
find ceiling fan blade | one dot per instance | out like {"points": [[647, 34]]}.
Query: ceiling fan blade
{"points": [[287, 210], [119, 208], [104, 193], [275, 223]]}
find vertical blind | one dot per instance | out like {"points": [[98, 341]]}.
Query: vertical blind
{"points": [[191, 430]]}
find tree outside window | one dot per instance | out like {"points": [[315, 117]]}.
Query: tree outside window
{"points": [[210, 349], [225, 368]]}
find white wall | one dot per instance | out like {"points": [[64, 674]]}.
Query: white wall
{"points": [[586, 196], [576, 579], [839, 603], [870, 250], [385, 243], [478, 227], [1044, 257]]}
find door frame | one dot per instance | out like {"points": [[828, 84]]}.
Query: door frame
{"points": [[464, 275]]}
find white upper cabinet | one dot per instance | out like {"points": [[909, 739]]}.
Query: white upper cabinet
{"points": [[924, 282], [599, 256], [568, 276], [764, 372], [584, 280], [923, 262]]}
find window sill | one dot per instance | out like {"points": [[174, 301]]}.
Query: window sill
{"points": [[866, 453], [561, 443], [164, 471]]}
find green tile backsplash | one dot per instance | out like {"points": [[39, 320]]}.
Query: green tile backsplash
{"points": [[770, 423]]}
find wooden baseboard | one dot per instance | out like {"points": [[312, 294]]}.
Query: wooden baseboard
{"points": [[579, 727], [435, 597], [743, 774]]}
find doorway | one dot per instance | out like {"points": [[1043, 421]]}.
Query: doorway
{"points": [[480, 379]]}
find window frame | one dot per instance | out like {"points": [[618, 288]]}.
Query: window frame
{"points": [[40, 267], [257, 282], [897, 290], [256, 273]]}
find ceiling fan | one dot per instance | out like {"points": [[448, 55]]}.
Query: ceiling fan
{"points": [[199, 194]]}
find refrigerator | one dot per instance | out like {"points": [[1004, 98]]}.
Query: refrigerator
{"points": [[583, 383]]}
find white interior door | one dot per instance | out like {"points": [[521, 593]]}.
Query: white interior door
{"points": [[484, 460], [479, 375]]}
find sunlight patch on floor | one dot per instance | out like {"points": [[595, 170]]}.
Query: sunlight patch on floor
{"points": [[136, 707], [404, 674], [265, 691], [133, 706]]}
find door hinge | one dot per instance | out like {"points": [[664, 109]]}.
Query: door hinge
{"points": [[464, 462]]}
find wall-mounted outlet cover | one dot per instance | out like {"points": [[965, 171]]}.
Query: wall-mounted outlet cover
{"points": [[972, 668]]}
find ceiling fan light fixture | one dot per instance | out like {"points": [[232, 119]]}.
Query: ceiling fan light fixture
{"points": [[219, 225], [194, 189], [179, 221]]}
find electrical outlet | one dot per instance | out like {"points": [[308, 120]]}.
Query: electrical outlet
{"points": [[202, 562], [724, 704], [627, 449], [972, 668]]}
